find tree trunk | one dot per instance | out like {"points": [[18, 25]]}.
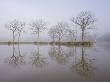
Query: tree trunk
{"points": [[53, 39], [18, 38], [38, 36], [13, 49], [13, 37], [75, 35], [82, 35], [59, 39]]}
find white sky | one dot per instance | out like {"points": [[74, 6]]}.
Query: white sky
{"points": [[53, 11]]}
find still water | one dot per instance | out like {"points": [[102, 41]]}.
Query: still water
{"points": [[51, 63]]}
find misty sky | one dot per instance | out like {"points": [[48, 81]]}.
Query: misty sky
{"points": [[52, 11]]}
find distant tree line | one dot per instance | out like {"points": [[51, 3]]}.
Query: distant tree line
{"points": [[84, 21]]}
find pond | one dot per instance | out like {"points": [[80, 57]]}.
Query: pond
{"points": [[54, 63]]}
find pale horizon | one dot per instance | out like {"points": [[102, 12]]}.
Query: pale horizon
{"points": [[52, 11]]}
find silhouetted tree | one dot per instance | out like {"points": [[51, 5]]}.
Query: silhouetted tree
{"points": [[38, 26], [71, 34], [60, 30], [20, 29], [84, 20], [52, 33], [13, 26], [16, 26]]}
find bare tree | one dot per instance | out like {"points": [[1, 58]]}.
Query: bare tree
{"points": [[20, 29], [84, 20], [71, 34], [60, 29], [38, 26], [52, 33], [13, 26]]}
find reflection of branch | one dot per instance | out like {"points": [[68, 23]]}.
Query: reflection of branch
{"points": [[72, 51], [16, 60], [21, 57], [13, 60], [58, 55], [83, 65], [38, 60]]}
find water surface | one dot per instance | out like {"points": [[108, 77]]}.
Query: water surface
{"points": [[51, 63]]}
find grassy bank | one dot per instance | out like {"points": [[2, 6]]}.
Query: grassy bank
{"points": [[86, 43], [73, 43]]}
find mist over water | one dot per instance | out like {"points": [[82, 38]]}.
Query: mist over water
{"points": [[51, 63], [48, 41]]}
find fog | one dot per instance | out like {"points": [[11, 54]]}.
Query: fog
{"points": [[52, 11]]}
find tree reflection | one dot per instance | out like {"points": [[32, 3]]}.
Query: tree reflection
{"points": [[37, 59], [16, 59], [83, 65], [20, 56], [72, 51], [13, 60], [58, 54]]}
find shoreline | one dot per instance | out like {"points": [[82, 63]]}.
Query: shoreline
{"points": [[85, 43]]}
